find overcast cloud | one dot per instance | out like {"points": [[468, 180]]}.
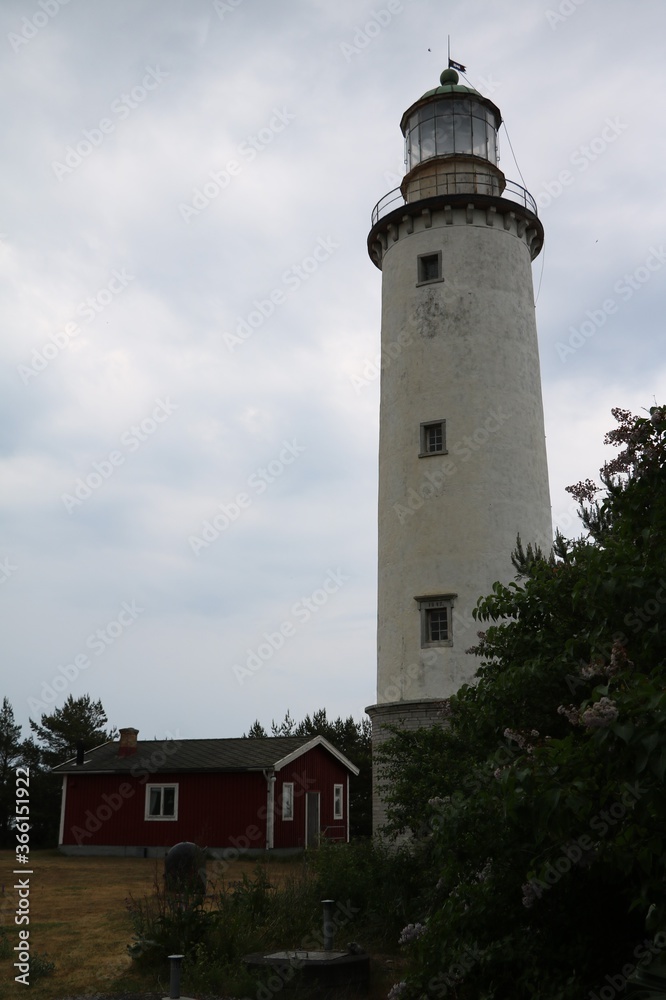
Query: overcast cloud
{"points": [[191, 319]]}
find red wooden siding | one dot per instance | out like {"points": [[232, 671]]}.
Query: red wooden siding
{"points": [[314, 771], [214, 809]]}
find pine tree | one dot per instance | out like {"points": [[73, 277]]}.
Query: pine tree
{"points": [[10, 758], [256, 731], [79, 721]]}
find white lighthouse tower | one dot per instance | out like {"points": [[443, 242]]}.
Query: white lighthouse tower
{"points": [[462, 457]]}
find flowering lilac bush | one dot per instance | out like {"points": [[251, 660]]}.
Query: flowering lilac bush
{"points": [[537, 806]]}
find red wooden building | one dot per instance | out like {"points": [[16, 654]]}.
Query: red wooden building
{"points": [[132, 797]]}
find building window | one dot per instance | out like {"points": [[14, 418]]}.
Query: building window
{"points": [[337, 801], [288, 800], [437, 622], [161, 802], [436, 619], [429, 268], [433, 438]]}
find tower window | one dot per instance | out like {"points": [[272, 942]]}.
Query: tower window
{"points": [[433, 438], [429, 268], [436, 619]]}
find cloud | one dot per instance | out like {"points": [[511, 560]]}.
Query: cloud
{"points": [[220, 89]]}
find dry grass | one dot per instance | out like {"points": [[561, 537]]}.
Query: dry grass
{"points": [[79, 920]]}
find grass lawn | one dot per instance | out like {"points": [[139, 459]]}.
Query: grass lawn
{"points": [[79, 920]]}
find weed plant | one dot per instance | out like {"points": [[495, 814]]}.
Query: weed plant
{"points": [[374, 890]]}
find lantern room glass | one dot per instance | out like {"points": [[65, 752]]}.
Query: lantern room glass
{"points": [[460, 126]]}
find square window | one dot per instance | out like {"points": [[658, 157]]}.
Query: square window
{"points": [[161, 802], [429, 268], [436, 619], [433, 438], [337, 801], [288, 800]]}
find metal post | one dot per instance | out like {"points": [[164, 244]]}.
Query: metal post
{"points": [[328, 924], [174, 980]]}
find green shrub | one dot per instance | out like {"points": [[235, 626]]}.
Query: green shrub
{"points": [[382, 885], [375, 891]]}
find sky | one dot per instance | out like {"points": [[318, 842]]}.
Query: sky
{"points": [[190, 395]]}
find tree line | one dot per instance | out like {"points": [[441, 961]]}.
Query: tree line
{"points": [[53, 740], [83, 722]]}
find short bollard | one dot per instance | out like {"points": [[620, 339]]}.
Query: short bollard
{"points": [[328, 923], [174, 978]]}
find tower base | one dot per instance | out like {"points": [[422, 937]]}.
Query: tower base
{"points": [[406, 715]]}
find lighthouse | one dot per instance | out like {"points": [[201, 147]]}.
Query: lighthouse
{"points": [[462, 456]]}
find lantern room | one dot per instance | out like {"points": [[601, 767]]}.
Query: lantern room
{"points": [[451, 143]]}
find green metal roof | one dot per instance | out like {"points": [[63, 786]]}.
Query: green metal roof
{"points": [[449, 85]]}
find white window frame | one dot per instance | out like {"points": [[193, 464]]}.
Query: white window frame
{"points": [[288, 801], [338, 801], [161, 787], [424, 453]]}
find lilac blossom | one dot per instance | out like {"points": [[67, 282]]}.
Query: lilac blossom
{"points": [[571, 712], [411, 933], [600, 715], [529, 895]]}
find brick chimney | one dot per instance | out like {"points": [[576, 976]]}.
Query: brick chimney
{"points": [[127, 742]]}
